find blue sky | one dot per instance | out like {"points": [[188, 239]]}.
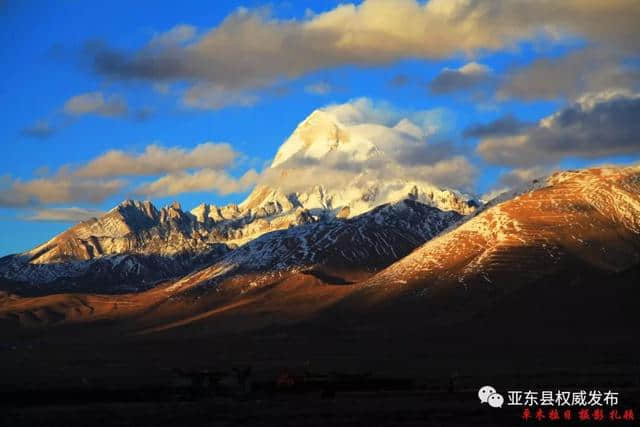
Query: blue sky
{"points": [[55, 51]]}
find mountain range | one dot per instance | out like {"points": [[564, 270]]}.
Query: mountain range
{"points": [[135, 245], [363, 259]]}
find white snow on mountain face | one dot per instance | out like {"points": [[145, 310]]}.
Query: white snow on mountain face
{"points": [[527, 231], [129, 248], [364, 149], [177, 238], [324, 132], [322, 138], [321, 133], [365, 242]]}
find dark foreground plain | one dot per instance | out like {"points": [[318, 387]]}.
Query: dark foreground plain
{"points": [[326, 370], [539, 292]]}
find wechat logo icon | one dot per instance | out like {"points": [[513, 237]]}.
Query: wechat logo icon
{"points": [[489, 395]]}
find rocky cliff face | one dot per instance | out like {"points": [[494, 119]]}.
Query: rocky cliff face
{"points": [[131, 247], [336, 249], [135, 245], [132, 227]]}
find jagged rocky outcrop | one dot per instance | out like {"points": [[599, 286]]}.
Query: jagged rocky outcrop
{"points": [[146, 245], [336, 249], [130, 248]]}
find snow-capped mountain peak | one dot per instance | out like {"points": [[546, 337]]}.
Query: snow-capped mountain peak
{"points": [[320, 134], [168, 240], [327, 139]]}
